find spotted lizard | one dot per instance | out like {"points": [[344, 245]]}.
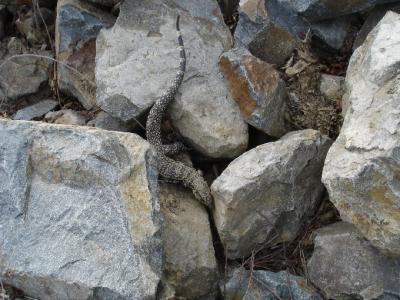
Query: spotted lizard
{"points": [[167, 167]]}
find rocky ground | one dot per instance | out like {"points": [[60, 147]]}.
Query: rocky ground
{"points": [[290, 110]]}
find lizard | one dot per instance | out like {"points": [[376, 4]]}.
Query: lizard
{"points": [[167, 167]]}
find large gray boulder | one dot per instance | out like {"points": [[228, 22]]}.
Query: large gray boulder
{"points": [[80, 213], [345, 266], [258, 89], [265, 285], [36, 110], [137, 61], [361, 169], [269, 191], [77, 26], [191, 269]]}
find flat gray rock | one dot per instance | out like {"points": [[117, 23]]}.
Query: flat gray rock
{"points": [[137, 61], [361, 168], [23, 75], [77, 26], [257, 88], [265, 285], [270, 190], [36, 110], [191, 268], [80, 213], [345, 266]]}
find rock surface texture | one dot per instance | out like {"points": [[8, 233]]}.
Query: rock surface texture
{"points": [[23, 75], [78, 24], [80, 213], [257, 88], [264, 285], [361, 169], [191, 268], [269, 190], [345, 266], [138, 58]]}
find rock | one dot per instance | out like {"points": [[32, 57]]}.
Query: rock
{"points": [[265, 285], [327, 9], [77, 27], [35, 33], [109, 3], [331, 32], [3, 16], [265, 39], [190, 265], [131, 77], [80, 213], [66, 117], [36, 110], [105, 121], [269, 190], [360, 170], [345, 266], [373, 18], [257, 88], [23, 75], [332, 87]]}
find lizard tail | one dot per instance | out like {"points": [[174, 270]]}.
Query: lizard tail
{"points": [[182, 65]]}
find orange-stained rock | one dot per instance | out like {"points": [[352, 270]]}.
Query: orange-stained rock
{"points": [[256, 86]]}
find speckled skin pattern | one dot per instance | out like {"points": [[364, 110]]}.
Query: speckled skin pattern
{"points": [[168, 167]]}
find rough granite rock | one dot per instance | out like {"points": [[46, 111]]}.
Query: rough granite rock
{"points": [[257, 88], [36, 110], [191, 268], [77, 26], [131, 77], [265, 285], [332, 87], [345, 266], [24, 75], [361, 168], [269, 190], [372, 20], [66, 117], [80, 213]]}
